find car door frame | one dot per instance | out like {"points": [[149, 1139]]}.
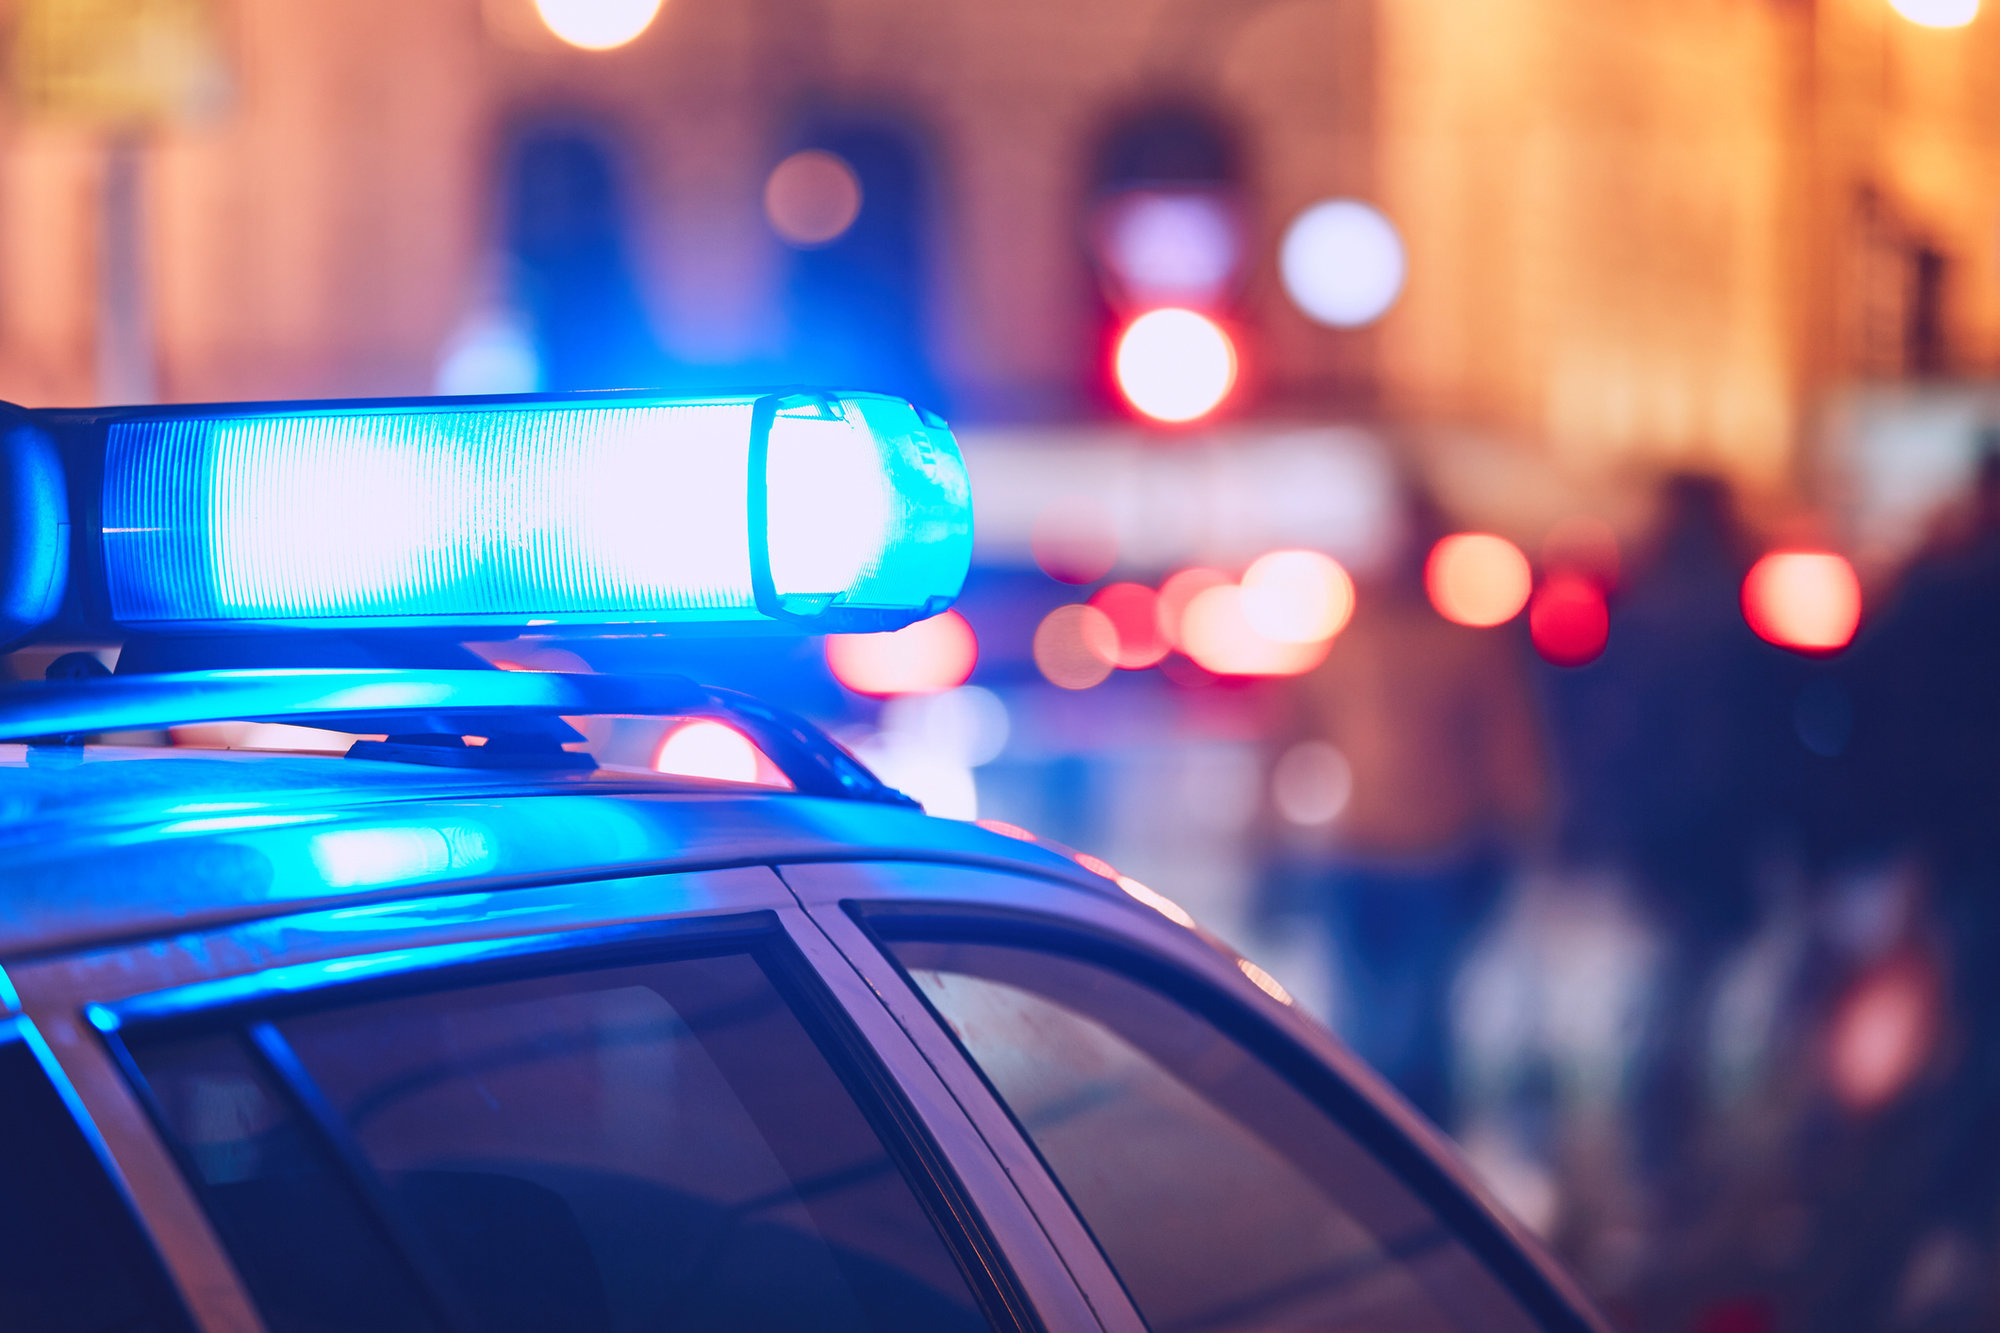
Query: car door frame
{"points": [[232, 964], [841, 897]]}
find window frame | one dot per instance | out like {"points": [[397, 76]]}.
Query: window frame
{"points": [[1545, 1300], [164, 1296], [249, 1005]]}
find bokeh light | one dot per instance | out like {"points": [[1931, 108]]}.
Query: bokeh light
{"points": [[968, 726], [1311, 784], [931, 655], [1937, 13], [1134, 612], [1175, 365], [1883, 1032], [1568, 620], [1170, 248], [1478, 579], [1176, 593], [1297, 596], [811, 198], [597, 25], [1076, 646], [1074, 540], [1342, 263], [707, 749], [1809, 601], [1217, 634]]}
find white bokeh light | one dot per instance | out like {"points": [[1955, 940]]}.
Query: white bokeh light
{"points": [[597, 25], [1342, 263], [1175, 365], [1937, 13]]}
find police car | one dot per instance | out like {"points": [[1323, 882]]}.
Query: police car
{"points": [[473, 1028]]}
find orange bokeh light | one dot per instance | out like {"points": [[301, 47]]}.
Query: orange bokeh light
{"points": [[1477, 579], [1808, 601], [924, 658], [1175, 594], [1076, 646], [1217, 634], [1134, 612]]}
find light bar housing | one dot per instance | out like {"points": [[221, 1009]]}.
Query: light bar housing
{"points": [[824, 511]]}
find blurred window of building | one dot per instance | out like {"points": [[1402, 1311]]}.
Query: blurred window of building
{"points": [[854, 204], [568, 256]]}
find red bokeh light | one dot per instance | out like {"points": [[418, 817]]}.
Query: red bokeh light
{"points": [[1568, 620], [924, 658], [1808, 601], [1134, 612], [1477, 579]]}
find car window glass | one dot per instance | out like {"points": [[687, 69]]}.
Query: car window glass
{"points": [[1225, 1198], [72, 1259], [640, 1147]]}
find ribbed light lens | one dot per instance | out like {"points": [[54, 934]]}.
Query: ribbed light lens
{"points": [[633, 512]]}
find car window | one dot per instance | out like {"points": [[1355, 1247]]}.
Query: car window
{"points": [[1225, 1198], [72, 1258], [653, 1146]]}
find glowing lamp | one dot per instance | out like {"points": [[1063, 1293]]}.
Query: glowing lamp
{"points": [[1477, 579], [1808, 601], [924, 658], [1175, 365]]}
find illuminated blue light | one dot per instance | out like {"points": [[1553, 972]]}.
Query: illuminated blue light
{"points": [[576, 513]]}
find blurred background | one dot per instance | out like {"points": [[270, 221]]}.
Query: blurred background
{"points": [[1492, 505]]}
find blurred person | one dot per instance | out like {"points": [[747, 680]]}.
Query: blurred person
{"points": [[1673, 745], [1920, 1177], [1436, 728]]}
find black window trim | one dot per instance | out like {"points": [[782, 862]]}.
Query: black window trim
{"points": [[249, 1005], [888, 920], [169, 1301]]}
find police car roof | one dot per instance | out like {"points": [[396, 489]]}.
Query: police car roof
{"points": [[111, 843]]}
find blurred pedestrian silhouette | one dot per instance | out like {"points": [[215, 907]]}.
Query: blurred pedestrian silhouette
{"points": [[1673, 741], [1927, 1162], [1435, 724]]}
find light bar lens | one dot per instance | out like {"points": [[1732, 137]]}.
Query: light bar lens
{"points": [[541, 513]]}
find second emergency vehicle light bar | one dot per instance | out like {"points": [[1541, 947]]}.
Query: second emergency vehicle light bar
{"points": [[839, 512]]}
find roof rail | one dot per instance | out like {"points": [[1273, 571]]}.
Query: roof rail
{"points": [[412, 705]]}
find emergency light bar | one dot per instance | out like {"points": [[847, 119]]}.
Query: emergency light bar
{"points": [[845, 512]]}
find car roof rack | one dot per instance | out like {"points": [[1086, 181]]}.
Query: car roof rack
{"points": [[426, 712]]}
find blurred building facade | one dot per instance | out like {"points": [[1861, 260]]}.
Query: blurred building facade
{"points": [[1654, 233]]}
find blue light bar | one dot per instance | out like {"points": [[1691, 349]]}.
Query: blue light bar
{"points": [[846, 512]]}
